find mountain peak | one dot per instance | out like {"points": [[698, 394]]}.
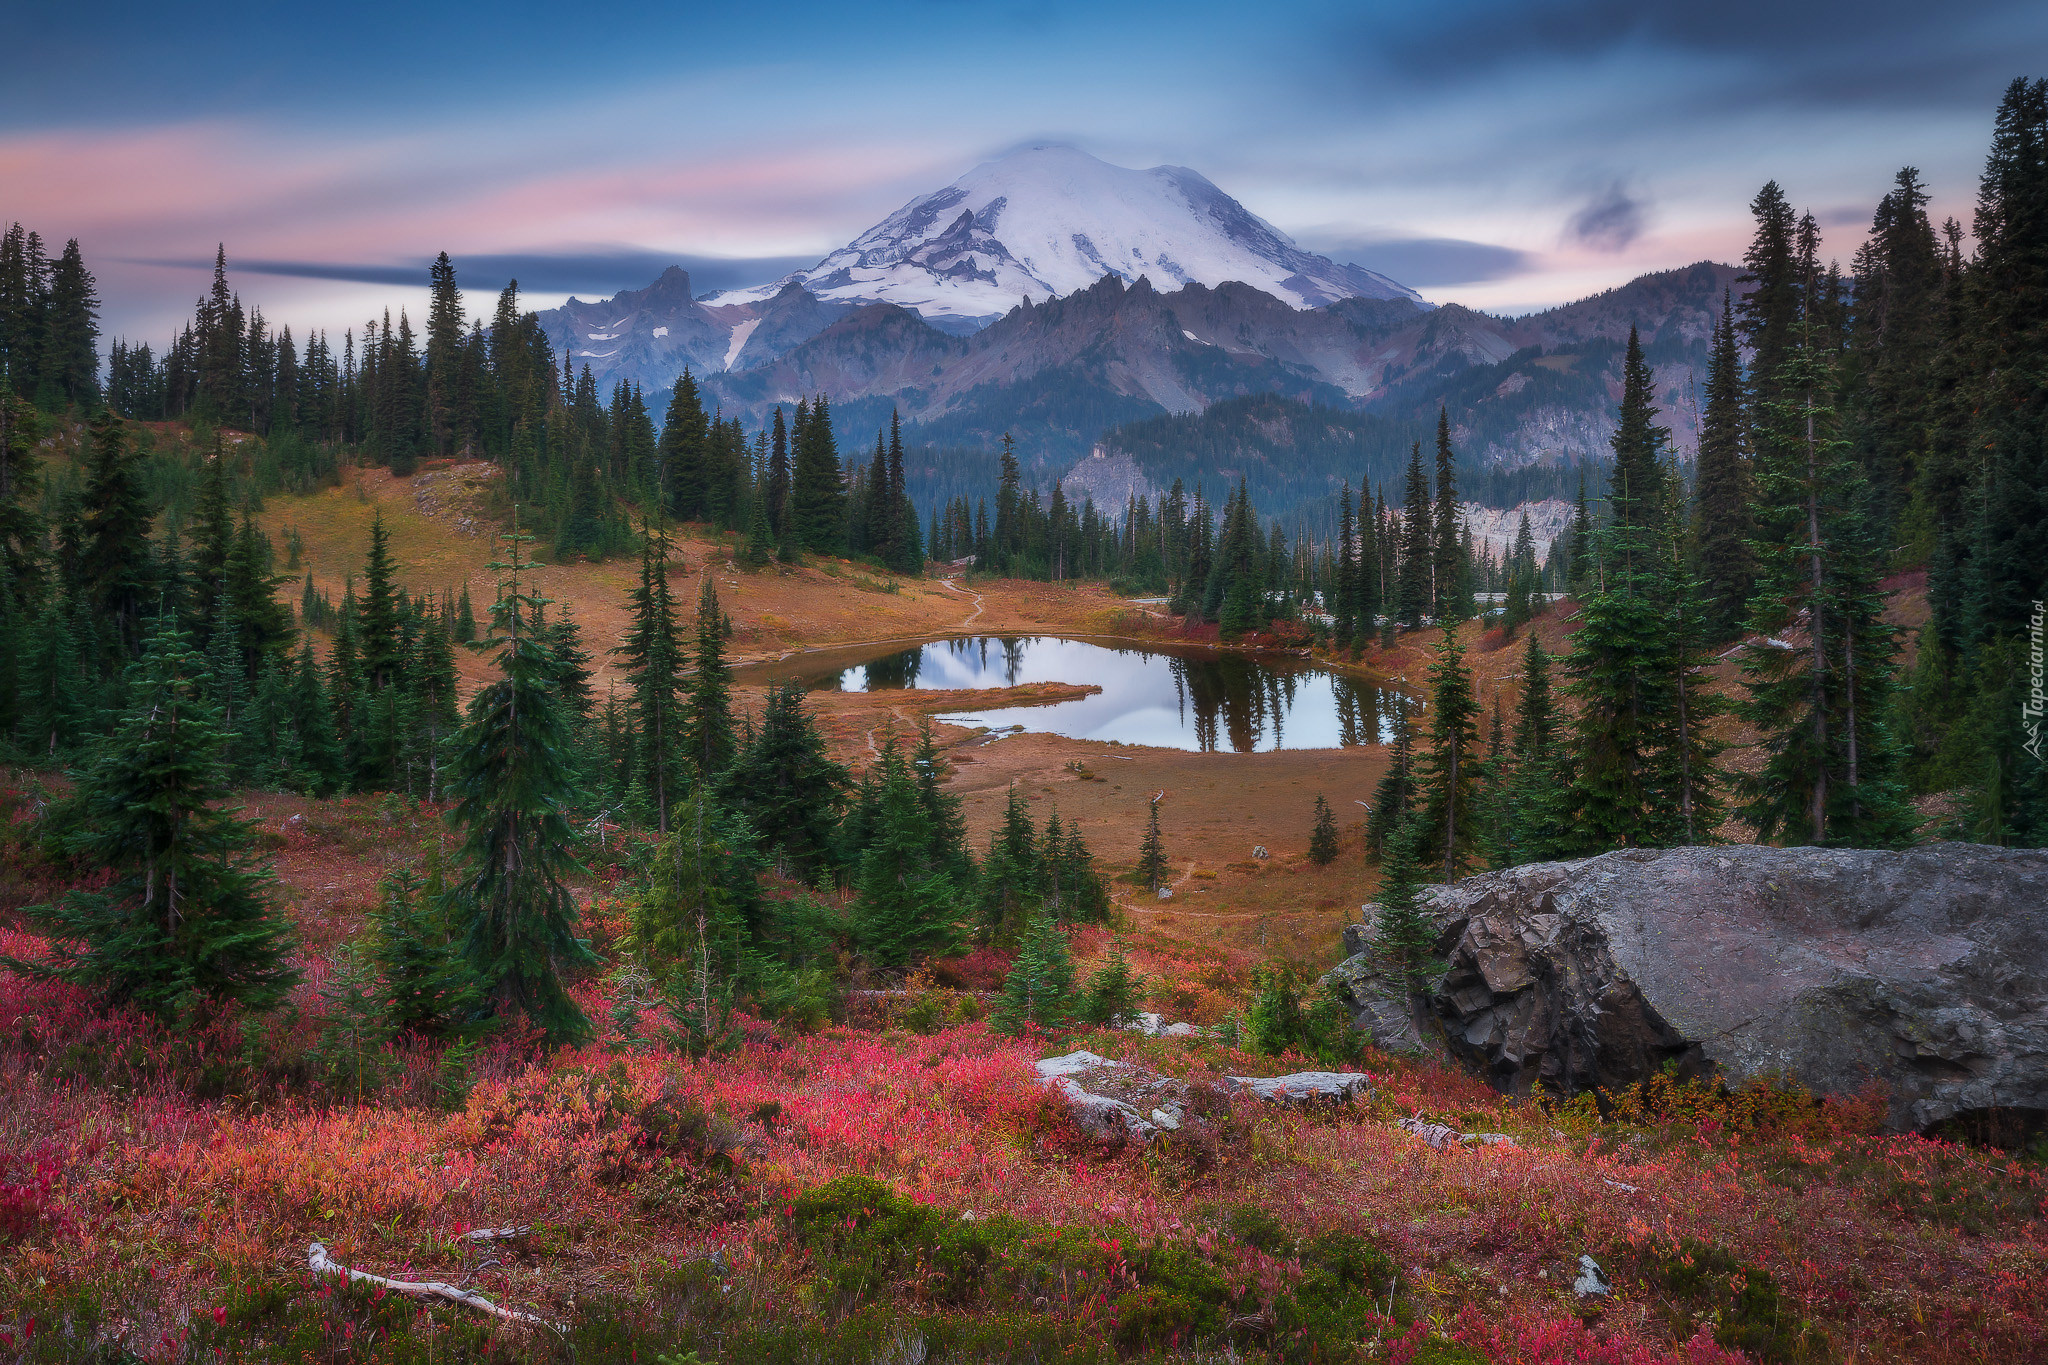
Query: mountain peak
{"points": [[1049, 219]]}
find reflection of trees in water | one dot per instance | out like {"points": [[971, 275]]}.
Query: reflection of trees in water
{"points": [[1232, 697], [1360, 707], [893, 671]]}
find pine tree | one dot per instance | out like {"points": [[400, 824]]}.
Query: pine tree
{"points": [[1393, 799], [1114, 995], [186, 920], [1404, 936], [1416, 561], [428, 989], [906, 909], [1322, 841], [1152, 852], [1039, 991], [707, 732], [1721, 527], [817, 493], [1450, 569], [511, 780], [653, 653], [1447, 780], [789, 790]]}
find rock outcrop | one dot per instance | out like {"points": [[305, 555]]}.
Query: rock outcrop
{"points": [[1116, 1100], [1925, 970]]}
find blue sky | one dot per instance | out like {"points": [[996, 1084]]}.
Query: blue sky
{"points": [[1503, 155]]}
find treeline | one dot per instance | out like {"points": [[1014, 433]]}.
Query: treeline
{"points": [[1386, 567]]}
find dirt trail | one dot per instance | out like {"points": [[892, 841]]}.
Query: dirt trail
{"points": [[979, 604]]}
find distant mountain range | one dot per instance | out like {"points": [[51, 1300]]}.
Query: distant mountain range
{"points": [[1077, 304]]}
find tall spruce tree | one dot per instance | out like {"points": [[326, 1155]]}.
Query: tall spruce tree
{"points": [[653, 654], [1721, 529], [186, 921], [1450, 565], [1448, 776], [707, 730], [1818, 700], [1622, 664], [1417, 558], [512, 781]]}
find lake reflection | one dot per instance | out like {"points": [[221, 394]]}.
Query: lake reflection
{"points": [[1184, 699]]}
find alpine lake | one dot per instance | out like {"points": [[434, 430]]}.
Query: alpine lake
{"points": [[1191, 698]]}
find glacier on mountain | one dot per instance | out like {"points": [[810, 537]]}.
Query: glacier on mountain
{"points": [[1049, 220]]}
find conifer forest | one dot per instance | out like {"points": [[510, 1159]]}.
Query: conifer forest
{"points": [[500, 860]]}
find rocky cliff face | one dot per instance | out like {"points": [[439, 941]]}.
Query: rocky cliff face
{"points": [[1926, 971]]}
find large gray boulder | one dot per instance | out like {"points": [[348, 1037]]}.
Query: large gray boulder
{"points": [[1926, 970]]}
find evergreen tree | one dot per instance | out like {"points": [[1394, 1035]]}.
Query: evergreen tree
{"points": [[1404, 936], [653, 653], [1322, 841], [1722, 494], [906, 907], [1450, 568], [428, 989], [1539, 815], [1039, 991], [707, 730], [1152, 852], [1394, 798], [790, 791], [114, 558], [817, 493], [1448, 779], [1417, 555], [1622, 664], [511, 781], [1818, 703], [1114, 995], [186, 919]]}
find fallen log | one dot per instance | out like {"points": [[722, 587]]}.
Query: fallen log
{"points": [[320, 1263]]}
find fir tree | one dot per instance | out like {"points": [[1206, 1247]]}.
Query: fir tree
{"points": [[1039, 991], [653, 653], [1450, 568], [1395, 796], [1152, 852], [186, 920], [1404, 936], [906, 906], [817, 494], [1818, 703], [1417, 555], [511, 781], [790, 791], [1448, 778], [1721, 509], [1322, 841], [707, 730], [1114, 995], [428, 989]]}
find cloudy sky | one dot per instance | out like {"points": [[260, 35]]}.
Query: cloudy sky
{"points": [[1502, 153]]}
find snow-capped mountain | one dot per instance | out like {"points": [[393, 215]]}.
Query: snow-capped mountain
{"points": [[1048, 221]]}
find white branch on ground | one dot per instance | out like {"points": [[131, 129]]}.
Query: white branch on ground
{"points": [[320, 1263]]}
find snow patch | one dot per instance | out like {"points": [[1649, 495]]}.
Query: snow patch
{"points": [[600, 336], [661, 331], [739, 340]]}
